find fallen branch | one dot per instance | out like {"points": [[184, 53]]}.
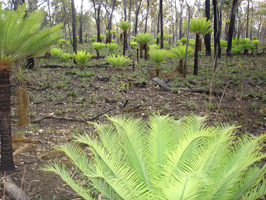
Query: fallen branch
{"points": [[199, 90], [13, 191], [53, 66], [161, 83], [71, 119]]}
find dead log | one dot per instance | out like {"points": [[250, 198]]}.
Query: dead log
{"points": [[14, 192], [200, 90], [161, 83], [54, 66]]}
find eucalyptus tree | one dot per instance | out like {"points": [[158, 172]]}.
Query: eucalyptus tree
{"points": [[97, 18], [74, 27], [231, 28], [19, 37], [207, 37], [81, 23], [138, 5]]}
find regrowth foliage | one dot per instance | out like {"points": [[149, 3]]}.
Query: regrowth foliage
{"points": [[167, 159]]}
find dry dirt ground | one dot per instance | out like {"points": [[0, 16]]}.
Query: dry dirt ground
{"points": [[59, 95]]}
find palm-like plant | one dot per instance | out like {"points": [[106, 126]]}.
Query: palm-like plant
{"points": [[180, 52], [158, 56], [183, 40], [19, 37], [118, 61], [144, 39], [111, 47], [198, 26], [82, 57], [167, 159], [98, 46], [65, 57], [124, 25], [55, 52]]}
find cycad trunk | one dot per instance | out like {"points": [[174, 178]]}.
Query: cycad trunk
{"points": [[196, 55], [7, 163], [146, 52]]}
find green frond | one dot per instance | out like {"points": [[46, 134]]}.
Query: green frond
{"points": [[98, 45], [223, 43], [199, 25], [154, 46], [21, 37], [158, 55], [179, 52], [55, 52], [124, 25], [118, 61], [183, 40], [144, 38], [65, 57], [82, 57], [111, 46], [254, 37], [168, 159], [255, 42], [61, 171]]}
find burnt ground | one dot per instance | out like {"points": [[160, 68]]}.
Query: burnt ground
{"points": [[59, 95]]}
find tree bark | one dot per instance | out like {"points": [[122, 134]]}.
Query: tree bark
{"points": [[80, 28], [110, 23], [251, 21], [97, 19], [196, 55], [231, 29], [136, 17], [74, 27], [207, 37], [146, 19], [180, 19], [247, 19], [161, 13], [176, 22], [129, 30], [7, 163]]}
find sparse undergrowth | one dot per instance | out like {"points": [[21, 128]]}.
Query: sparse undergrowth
{"points": [[78, 93]]}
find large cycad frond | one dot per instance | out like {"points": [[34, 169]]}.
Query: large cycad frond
{"points": [[168, 159], [21, 36]]}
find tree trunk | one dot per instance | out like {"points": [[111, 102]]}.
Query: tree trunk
{"points": [[136, 17], [110, 23], [251, 21], [196, 55], [124, 46], [7, 163], [97, 19], [231, 29], [180, 18], [158, 26], [74, 26], [247, 19], [146, 19], [129, 30], [207, 37], [176, 22], [161, 11], [216, 29], [80, 28]]}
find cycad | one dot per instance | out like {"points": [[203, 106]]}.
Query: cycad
{"points": [[124, 25], [98, 46], [144, 39], [118, 61], [167, 159], [198, 26], [65, 57], [55, 52], [82, 57], [20, 37], [158, 56], [180, 52], [111, 47]]}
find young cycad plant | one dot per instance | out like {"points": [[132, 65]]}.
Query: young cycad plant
{"points": [[198, 26], [167, 159], [65, 57], [180, 52], [124, 25], [55, 52], [183, 40], [82, 57], [144, 39], [20, 37], [158, 56], [111, 47], [118, 61], [98, 46]]}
